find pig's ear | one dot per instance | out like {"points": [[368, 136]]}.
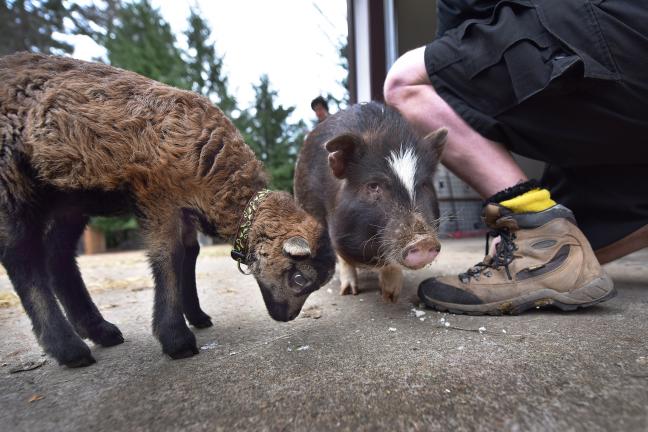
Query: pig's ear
{"points": [[341, 150], [436, 142]]}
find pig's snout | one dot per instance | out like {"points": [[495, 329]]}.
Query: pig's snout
{"points": [[420, 253]]}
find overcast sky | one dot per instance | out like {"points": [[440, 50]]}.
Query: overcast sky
{"points": [[290, 40]]}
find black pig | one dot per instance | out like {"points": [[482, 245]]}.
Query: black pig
{"points": [[368, 177]]}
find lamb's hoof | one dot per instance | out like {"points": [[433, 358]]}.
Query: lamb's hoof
{"points": [[202, 324], [105, 334], [184, 353], [80, 362], [200, 320], [179, 343], [74, 355]]}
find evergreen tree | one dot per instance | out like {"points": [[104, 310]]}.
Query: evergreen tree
{"points": [[29, 25], [96, 19], [343, 50], [273, 139], [205, 66], [142, 41], [342, 102]]}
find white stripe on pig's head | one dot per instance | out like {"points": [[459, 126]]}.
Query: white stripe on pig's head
{"points": [[404, 164]]}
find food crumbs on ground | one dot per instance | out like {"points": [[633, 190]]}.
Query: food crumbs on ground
{"points": [[208, 346], [313, 312], [392, 329], [418, 313]]}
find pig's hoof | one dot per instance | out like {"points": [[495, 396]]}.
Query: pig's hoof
{"points": [[200, 320], [390, 297], [348, 289], [105, 334], [179, 343]]}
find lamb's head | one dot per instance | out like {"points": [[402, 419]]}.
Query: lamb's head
{"points": [[288, 252]]}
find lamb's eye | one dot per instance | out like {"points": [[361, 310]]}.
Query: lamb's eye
{"points": [[373, 186], [298, 279]]}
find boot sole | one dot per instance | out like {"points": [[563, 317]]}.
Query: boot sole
{"points": [[597, 291]]}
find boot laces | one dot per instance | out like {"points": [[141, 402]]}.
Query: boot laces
{"points": [[504, 255]]}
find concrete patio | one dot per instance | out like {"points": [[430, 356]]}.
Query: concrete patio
{"points": [[347, 363]]}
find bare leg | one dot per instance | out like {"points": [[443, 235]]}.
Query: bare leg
{"points": [[484, 164], [348, 277], [391, 281], [60, 245]]}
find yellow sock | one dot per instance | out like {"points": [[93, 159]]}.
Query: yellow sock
{"points": [[533, 201]]}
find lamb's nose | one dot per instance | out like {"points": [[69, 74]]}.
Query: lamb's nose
{"points": [[420, 253]]}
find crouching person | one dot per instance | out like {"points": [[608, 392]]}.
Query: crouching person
{"points": [[536, 78]]}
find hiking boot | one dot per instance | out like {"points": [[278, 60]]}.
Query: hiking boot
{"points": [[541, 259]]}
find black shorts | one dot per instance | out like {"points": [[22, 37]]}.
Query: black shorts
{"points": [[564, 82]]}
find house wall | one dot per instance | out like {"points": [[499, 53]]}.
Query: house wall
{"points": [[415, 22]]}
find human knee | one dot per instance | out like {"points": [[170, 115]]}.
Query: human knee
{"points": [[393, 89], [405, 78]]}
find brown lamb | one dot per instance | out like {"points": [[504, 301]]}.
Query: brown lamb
{"points": [[79, 139]]}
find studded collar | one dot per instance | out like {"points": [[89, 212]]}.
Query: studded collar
{"points": [[240, 251]]}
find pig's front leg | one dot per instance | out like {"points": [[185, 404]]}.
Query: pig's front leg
{"points": [[391, 282], [348, 277]]}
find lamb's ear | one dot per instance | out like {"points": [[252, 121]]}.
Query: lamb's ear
{"points": [[436, 142], [297, 247], [341, 151]]}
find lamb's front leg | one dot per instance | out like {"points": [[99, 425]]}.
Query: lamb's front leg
{"points": [[391, 281], [190, 301], [166, 256]]}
